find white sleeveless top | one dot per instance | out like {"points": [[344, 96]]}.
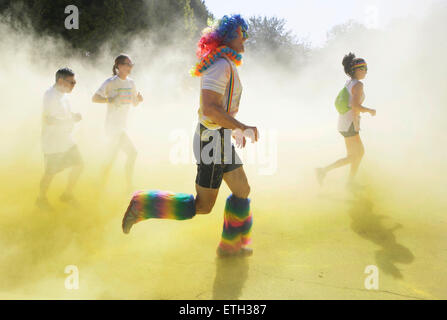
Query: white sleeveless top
{"points": [[345, 120]]}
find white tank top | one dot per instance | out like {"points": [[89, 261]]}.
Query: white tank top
{"points": [[346, 120]]}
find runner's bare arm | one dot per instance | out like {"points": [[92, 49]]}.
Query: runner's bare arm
{"points": [[99, 99], [50, 120], [212, 108], [137, 100], [357, 94]]}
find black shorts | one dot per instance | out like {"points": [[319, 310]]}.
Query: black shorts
{"points": [[57, 162], [215, 155], [350, 133]]}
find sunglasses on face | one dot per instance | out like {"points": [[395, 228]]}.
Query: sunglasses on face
{"points": [[73, 82], [244, 34], [130, 64], [362, 68]]}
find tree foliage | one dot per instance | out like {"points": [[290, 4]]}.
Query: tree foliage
{"points": [[103, 21], [116, 22], [270, 38]]}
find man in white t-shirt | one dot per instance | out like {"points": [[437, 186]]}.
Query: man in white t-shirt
{"points": [[60, 151]]}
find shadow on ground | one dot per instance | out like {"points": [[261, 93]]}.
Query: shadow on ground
{"points": [[231, 275], [370, 226]]}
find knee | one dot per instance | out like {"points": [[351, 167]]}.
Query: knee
{"points": [[244, 192], [80, 166], [359, 154], [48, 175], [247, 191], [133, 154], [362, 152], [204, 207]]}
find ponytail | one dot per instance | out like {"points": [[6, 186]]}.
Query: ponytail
{"points": [[348, 63]]}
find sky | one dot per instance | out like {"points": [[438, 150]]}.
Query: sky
{"points": [[310, 20]]}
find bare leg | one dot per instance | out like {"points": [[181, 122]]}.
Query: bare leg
{"points": [[112, 153], [237, 181], [350, 143], [358, 155], [205, 199], [352, 146], [42, 201], [131, 152], [73, 179], [45, 184]]}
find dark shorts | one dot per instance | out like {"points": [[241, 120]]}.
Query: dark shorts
{"points": [[215, 155], [350, 133], [57, 162]]}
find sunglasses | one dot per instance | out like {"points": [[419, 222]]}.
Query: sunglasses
{"points": [[363, 68], [130, 64], [244, 34], [70, 82]]}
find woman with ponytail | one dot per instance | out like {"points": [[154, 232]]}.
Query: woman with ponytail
{"points": [[349, 105], [119, 93]]}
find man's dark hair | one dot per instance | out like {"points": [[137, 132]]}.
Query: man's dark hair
{"points": [[64, 73]]}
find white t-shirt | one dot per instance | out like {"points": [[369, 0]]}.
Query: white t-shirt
{"points": [[57, 136], [117, 112], [217, 78]]}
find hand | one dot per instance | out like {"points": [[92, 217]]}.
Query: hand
{"points": [[238, 136], [252, 133], [113, 100], [372, 112], [139, 97], [77, 117]]}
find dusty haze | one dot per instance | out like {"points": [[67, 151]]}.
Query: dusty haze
{"points": [[404, 168]]}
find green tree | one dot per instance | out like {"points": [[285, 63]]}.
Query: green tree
{"points": [[349, 28], [270, 38], [111, 21]]}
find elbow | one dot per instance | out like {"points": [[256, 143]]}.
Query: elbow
{"points": [[208, 111]]}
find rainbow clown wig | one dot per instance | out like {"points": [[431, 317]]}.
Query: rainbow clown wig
{"points": [[213, 43]]}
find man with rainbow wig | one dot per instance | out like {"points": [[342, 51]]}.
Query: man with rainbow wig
{"points": [[219, 53]]}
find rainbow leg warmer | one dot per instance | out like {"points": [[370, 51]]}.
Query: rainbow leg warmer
{"points": [[158, 205], [238, 221]]}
